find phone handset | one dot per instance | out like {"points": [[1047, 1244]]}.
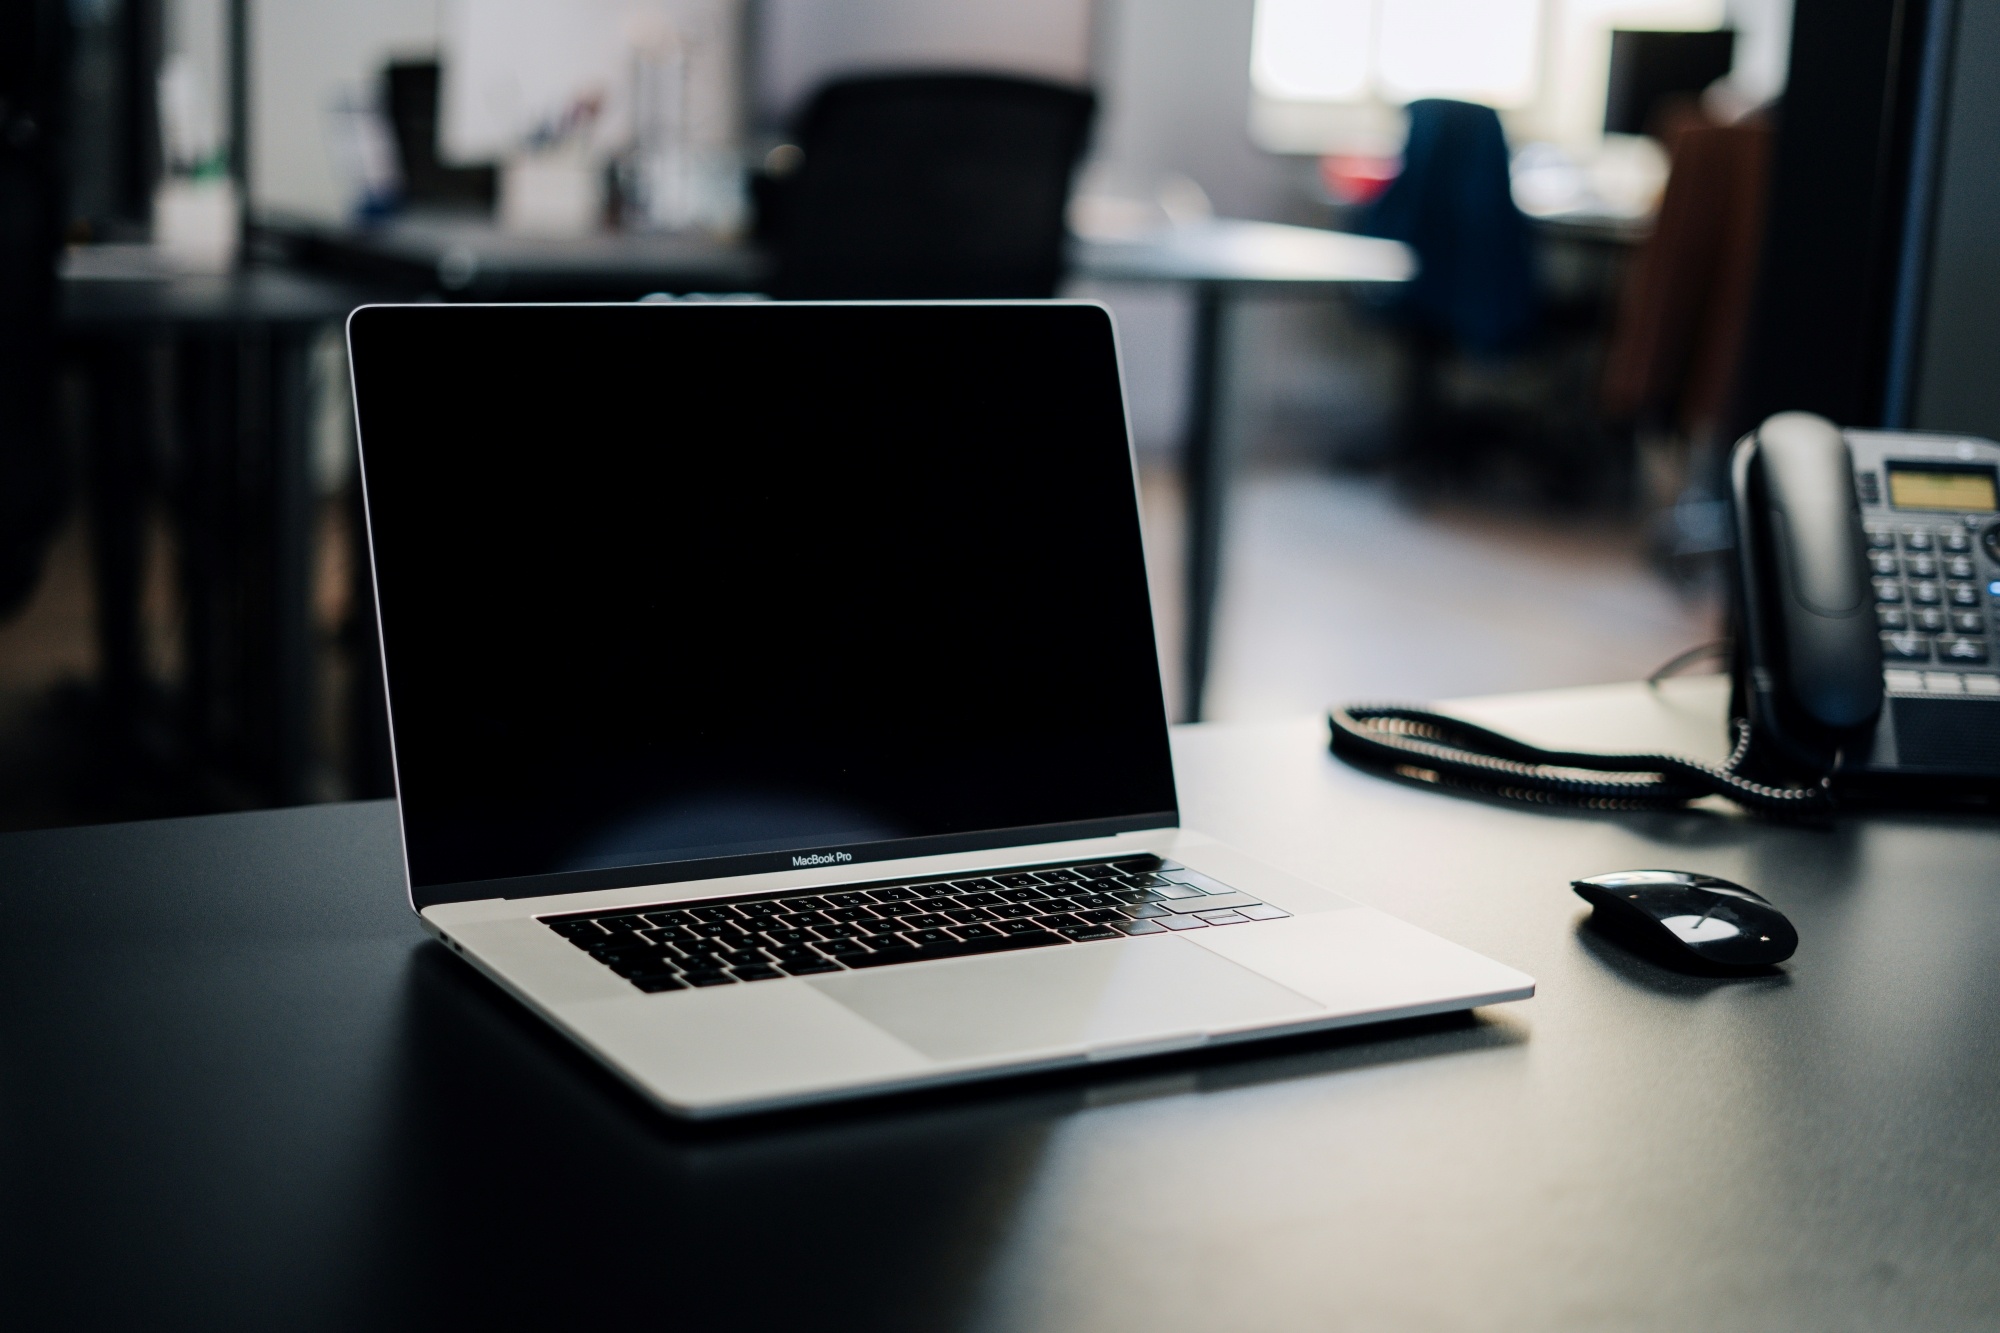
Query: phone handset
{"points": [[1808, 613]]}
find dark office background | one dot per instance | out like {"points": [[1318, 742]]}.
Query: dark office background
{"points": [[1436, 497]]}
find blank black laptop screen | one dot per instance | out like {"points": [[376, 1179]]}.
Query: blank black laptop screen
{"points": [[672, 589]]}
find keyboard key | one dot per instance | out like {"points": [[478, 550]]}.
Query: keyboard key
{"points": [[1961, 650], [975, 932], [1916, 539], [1170, 891], [929, 935], [715, 913], [852, 899], [1263, 912], [1921, 567], [1033, 895], [790, 936], [1888, 590], [1097, 870], [805, 969], [837, 931], [1214, 902], [1058, 876], [1015, 911], [756, 972], [1139, 865], [935, 904], [1892, 617], [808, 919], [1224, 918], [1925, 594], [1968, 622], [1206, 883], [1959, 566], [967, 916], [1982, 685], [654, 985], [1929, 619], [850, 914], [810, 904], [1963, 594], [842, 948], [1057, 920], [1143, 928], [1883, 564], [880, 942], [1089, 933], [716, 977], [980, 900], [891, 895], [1056, 905], [1017, 928], [1093, 900], [1014, 881], [926, 921], [743, 957], [1146, 910], [959, 949], [1957, 540], [1101, 916], [575, 928], [1189, 922], [1881, 539], [975, 885]]}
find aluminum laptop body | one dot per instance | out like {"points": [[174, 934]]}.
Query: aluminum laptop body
{"points": [[776, 711]]}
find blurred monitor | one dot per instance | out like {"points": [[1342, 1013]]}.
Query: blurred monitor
{"points": [[1647, 67], [800, 44]]}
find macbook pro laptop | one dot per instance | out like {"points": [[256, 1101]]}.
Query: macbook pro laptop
{"points": [[776, 711]]}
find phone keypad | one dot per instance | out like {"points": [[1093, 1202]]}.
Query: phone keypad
{"points": [[1933, 609]]}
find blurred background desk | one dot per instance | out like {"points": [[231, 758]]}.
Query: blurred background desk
{"points": [[235, 1064], [1222, 260], [198, 390], [474, 260]]}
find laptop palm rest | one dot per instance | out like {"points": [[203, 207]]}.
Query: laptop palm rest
{"points": [[1105, 995]]}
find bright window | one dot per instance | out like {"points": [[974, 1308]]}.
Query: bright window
{"points": [[1396, 50]]}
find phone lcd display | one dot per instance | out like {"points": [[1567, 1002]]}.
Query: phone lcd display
{"points": [[1970, 490]]}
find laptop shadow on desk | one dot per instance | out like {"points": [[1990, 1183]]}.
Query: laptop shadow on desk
{"points": [[506, 1150]]}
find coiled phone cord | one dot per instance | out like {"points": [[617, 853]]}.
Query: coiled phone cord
{"points": [[1430, 747]]}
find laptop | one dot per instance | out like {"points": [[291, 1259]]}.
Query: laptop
{"points": [[776, 712]]}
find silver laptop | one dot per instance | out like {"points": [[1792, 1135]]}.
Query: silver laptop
{"points": [[776, 710]]}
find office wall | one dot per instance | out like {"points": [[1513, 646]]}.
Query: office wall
{"points": [[303, 54]]}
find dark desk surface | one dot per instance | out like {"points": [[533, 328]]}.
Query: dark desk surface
{"points": [[237, 1089]]}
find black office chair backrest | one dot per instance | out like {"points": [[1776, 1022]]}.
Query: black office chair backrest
{"points": [[928, 186]]}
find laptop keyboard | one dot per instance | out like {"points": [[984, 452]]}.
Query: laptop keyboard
{"points": [[803, 932]]}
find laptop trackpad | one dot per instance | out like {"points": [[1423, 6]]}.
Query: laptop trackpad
{"points": [[1057, 998]]}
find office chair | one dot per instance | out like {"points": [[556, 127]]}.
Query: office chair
{"points": [[920, 186], [411, 92], [1496, 386]]}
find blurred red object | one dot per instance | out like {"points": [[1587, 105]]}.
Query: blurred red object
{"points": [[1356, 178]]}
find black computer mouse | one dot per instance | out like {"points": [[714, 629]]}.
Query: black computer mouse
{"points": [[1690, 917]]}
